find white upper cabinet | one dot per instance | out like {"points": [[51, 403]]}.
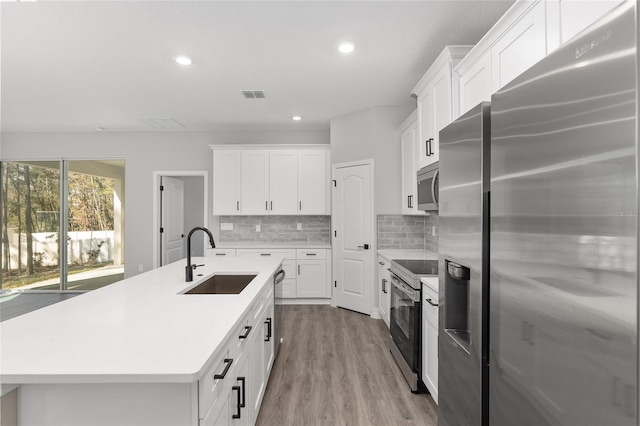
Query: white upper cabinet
{"points": [[436, 102], [521, 46], [475, 84], [526, 33], [576, 15], [226, 180], [283, 182], [313, 182], [255, 182], [271, 179], [408, 141]]}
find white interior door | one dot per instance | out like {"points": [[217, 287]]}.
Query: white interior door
{"points": [[171, 220], [353, 213]]}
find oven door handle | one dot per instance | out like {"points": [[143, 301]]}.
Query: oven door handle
{"points": [[411, 293]]}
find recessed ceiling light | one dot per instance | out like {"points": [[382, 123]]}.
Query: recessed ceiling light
{"points": [[183, 60], [100, 129], [346, 47], [296, 118]]}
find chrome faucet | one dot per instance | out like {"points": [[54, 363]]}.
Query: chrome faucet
{"points": [[190, 267]]}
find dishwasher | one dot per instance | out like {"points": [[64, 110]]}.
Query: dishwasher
{"points": [[277, 310]]}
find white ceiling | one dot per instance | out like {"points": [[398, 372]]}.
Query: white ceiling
{"points": [[75, 66]]}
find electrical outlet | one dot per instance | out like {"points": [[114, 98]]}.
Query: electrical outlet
{"points": [[226, 226], [257, 228], [140, 267], [299, 227]]}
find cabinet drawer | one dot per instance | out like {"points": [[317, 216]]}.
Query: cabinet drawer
{"points": [[210, 387], [241, 336], [285, 253], [220, 252], [311, 254]]}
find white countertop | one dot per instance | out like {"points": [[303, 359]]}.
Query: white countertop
{"points": [[268, 245], [408, 254], [137, 330]]}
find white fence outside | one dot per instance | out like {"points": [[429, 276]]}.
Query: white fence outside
{"points": [[83, 247]]}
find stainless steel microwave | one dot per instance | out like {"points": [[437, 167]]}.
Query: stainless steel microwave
{"points": [[428, 188]]}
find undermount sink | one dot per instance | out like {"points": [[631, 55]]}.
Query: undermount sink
{"points": [[222, 284]]}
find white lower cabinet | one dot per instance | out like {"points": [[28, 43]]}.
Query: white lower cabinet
{"points": [[384, 293], [232, 389], [430, 336]]}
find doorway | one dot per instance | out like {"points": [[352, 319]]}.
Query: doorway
{"points": [[354, 243], [180, 203]]}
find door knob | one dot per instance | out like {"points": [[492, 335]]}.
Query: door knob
{"points": [[366, 247]]}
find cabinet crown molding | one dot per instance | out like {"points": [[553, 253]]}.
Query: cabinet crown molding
{"points": [[506, 21], [272, 146], [448, 54]]}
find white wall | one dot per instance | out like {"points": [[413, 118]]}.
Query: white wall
{"points": [[144, 153], [373, 133]]}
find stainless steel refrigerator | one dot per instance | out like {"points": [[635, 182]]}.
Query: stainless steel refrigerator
{"points": [[539, 242], [564, 235], [463, 269]]}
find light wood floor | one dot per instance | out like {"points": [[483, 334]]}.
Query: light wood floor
{"points": [[335, 368]]}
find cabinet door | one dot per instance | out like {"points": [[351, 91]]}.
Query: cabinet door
{"points": [[226, 182], [256, 385], [220, 413], [576, 15], [255, 182], [430, 367], [425, 127], [475, 84], [409, 168], [313, 182], [283, 182], [268, 340], [312, 278], [521, 46], [441, 108], [240, 410]]}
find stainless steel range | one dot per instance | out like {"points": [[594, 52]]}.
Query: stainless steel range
{"points": [[406, 320]]}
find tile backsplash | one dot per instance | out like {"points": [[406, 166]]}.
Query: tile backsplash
{"points": [[399, 232], [315, 229]]}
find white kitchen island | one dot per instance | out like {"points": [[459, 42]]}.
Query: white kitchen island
{"points": [[139, 352]]}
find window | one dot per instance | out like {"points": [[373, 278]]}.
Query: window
{"points": [[31, 210]]}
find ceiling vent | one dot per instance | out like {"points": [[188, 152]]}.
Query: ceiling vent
{"points": [[163, 123], [253, 94]]}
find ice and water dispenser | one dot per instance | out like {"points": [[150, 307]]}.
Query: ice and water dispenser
{"points": [[456, 304]]}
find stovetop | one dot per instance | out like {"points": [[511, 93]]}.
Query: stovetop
{"points": [[419, 267]]}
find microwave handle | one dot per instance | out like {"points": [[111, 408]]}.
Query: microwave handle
{"points": [[434, 182]]}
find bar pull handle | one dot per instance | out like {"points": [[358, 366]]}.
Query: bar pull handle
{"points": [[312, 254], [247, 329], [265, 254], [384, 286], [238, 205], [430, 301], [238, 414], [222, 375], [272, 205], [221, 254], [268, 322], [381, 263], [266, 205], [243, 402], [298, 269], [300, 205]]}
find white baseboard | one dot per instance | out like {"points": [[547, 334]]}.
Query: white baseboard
{"points": [[375, 314], [303, 301]]}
